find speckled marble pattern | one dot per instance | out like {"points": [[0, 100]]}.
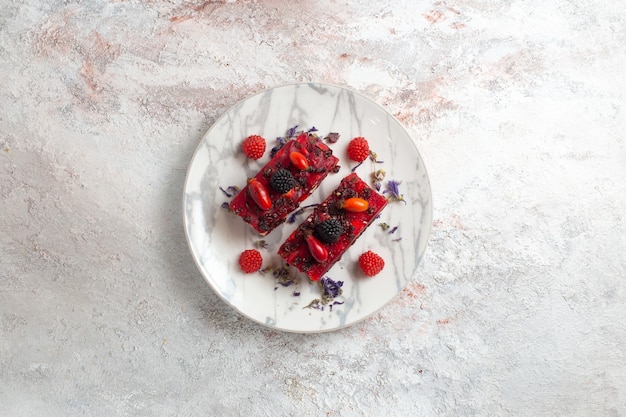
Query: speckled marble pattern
{"points": [[516, 106]]}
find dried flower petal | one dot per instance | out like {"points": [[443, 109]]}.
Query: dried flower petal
{"points": [[292, 131], [377, 178], [316, 304], [357, 165], [293, 216], [331, 288], [394, 191], [334, 304], [226, 193], [332, 137], [230, 190], [379, 175], [282, 275]]}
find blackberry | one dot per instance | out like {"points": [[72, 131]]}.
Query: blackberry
{"points": [[329, 230], [282, 181]]}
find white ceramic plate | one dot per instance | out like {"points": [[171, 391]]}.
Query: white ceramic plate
{"points": [[216, 237]]}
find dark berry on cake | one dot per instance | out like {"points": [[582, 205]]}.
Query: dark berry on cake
{"points": [[328, 231], [282, 181]]}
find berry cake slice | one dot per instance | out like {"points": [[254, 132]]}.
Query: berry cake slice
{"points": [[294, 172], [335, 224]]}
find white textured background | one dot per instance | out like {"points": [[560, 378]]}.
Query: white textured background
{"points": [[517, 107]]}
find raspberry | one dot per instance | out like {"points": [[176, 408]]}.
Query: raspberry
{"points": [[329, 230], [371, 263], [250, 260], [358, 149], [282, 181], [254, 146]]}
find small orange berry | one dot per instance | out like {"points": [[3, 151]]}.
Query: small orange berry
{"points": [[298, 160], [355, 204]]}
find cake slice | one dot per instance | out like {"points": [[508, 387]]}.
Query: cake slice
{"points": [[294, 172], [335, 224]]}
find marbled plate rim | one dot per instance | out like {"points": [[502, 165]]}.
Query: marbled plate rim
{"points": [[420, 250]]}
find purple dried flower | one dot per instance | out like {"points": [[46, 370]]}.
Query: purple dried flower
{"points": [[280, 143], [226, 193], [393, 230], [291, 131], [312, 129], [393, 187], [225, 205], [274, 150], [331, 288], [357, 165], [283, 276], [335, 303], [394, 191], [230, 190], [292, 217]]}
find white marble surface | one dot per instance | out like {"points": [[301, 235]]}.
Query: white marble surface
{"points": [[516, 106]]}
